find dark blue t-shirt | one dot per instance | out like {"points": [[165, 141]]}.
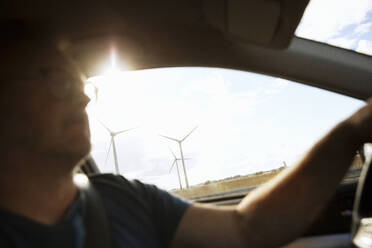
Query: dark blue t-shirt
{"points": [[140, 215]]}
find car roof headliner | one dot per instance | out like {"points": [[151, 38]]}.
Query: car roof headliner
{"points": [[219, 33]]}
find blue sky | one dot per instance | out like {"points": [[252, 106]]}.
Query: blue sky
{"points": [[343, 23], [246, 122]]}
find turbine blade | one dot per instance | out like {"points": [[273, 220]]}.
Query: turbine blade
{"points": [[108, 151], [123, 131], [174, 155], [189, 133], [105, 126], [174, 162], [169, 138]]}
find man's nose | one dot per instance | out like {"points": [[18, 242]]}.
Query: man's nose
{"points": [[83, 99]]}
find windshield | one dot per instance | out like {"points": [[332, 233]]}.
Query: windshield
{"points": [[231, 124], [346, 24]]}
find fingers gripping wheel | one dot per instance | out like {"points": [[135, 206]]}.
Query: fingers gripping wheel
{"points": [[361, 230]]}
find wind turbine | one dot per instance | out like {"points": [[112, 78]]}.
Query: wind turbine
{"points": [[112, 143], [180, 146], [175, 163]]}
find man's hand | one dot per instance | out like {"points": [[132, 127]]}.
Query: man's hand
{"points": [[281, 210]]}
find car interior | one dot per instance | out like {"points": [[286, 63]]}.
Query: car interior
{"points": [[246, 35]]}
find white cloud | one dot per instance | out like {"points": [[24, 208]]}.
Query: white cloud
{"points": [[363, 28], [365, 46], [325, 19]]}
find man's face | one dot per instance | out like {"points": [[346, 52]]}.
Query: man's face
{"points": [[46, 104]]}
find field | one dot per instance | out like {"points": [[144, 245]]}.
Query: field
{"points": [[226, 184]]}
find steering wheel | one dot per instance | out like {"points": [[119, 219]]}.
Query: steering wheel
{"points": [[361, 229]]}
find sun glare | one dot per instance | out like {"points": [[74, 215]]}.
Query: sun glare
{"points": [[113, 70]]}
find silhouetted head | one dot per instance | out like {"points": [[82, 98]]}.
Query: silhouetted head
{"points": [[41, 94]]}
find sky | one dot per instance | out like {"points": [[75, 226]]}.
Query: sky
{"points": [[342, 23], [246, 122]]}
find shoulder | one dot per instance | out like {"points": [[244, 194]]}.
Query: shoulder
{"points": [[111, 180], [146, 205], [118, 187], [119, 183], [109, 184]]}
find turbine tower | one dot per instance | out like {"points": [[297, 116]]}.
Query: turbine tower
{"points": [[112, 143], [180, 146], [175, 163]]}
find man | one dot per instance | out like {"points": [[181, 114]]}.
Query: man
{"points": [[45, 136]]}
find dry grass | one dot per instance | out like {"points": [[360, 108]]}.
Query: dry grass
{"points": [[227, 184], [236, 182]]}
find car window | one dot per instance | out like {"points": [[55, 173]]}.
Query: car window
{"points": [[241, 128]]}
